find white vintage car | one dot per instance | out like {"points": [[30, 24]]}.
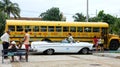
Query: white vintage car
{"points": [[57, 47]]}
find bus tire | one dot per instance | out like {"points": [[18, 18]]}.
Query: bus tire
{"points": [[114, 45]]}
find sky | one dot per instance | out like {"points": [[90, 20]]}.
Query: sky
{"points": [[33, 8]]}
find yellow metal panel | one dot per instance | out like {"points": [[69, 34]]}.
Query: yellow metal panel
{"points": [[56, 23]]}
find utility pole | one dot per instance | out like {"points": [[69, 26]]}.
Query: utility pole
{"points": [[96, 13], [87, 12]]}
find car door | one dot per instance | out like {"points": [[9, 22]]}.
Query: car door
{"points": [[69, 48]]}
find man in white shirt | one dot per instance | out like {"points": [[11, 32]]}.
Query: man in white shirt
{"points": [[70, 38], [5, 41]]}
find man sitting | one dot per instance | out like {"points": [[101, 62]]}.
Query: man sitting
{"points": [[13, 48], [70, 38]]}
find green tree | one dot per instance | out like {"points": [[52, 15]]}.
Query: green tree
{"points": [[101, 15], [52, 14], [8, 8], [2, 23], [93, 19], [79, 17], [106, 17], [115, 28], [111, 20]]}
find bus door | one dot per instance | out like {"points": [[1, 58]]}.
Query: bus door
{"points": [[104, 36]]}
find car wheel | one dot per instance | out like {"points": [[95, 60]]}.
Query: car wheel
{"points": [[84, 51], [49, 51]]}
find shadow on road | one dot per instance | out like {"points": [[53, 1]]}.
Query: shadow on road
{"points": [[59, 54], [106, 51]]}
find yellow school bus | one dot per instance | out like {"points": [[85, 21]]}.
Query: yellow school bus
{"points": [[58, 30]]}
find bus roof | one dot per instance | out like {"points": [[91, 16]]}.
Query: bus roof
{"points": [[56, 23]]}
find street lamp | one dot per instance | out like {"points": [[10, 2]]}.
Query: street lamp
{"points": [[87, 12]]}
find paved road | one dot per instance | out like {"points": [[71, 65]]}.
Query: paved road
{"points": [[65, 61]]}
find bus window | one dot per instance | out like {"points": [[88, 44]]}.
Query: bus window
{"points": [[43, 28], [96, 29], [87, 29], [79, 29], [72, 29], [11, 28], [19, 28], [28, 28], [36, 28], [58, 28], [50, 28], [65, 29]]}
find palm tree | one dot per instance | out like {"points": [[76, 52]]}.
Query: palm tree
{"points": [[8, 8], [79, 17]]}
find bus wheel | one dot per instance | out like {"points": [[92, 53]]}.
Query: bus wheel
{"points": [[114, 45]]}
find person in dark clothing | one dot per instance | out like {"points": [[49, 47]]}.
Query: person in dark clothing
{"points": [[13, 47], [5, 41]]}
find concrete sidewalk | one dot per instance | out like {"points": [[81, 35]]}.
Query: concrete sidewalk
{"points": [[107, 54]]}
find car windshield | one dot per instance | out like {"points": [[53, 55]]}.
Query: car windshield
{"points": [[65, 41]]}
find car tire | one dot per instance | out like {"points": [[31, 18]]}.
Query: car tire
{"points": [[49, 51], [84, 51]]}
